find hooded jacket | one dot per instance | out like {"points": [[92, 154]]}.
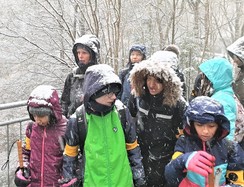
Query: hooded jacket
{"points": [[237, 48], [43, 149], [158, 117], [228, 155], [124, 95], [72, 95], [172, 59], [219, 71], [111, 154]]}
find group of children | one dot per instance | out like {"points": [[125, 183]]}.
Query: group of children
{"points": [[151, 138]]}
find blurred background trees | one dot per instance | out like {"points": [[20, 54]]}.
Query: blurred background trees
{"points": [[37, 36]]}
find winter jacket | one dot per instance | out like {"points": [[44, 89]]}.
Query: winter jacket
{"points": [[229, 156], [158, 117], [124, 74], [72, 95], [219, 72], [111, 155], [43, 149], [124, 95], [237, 48]]}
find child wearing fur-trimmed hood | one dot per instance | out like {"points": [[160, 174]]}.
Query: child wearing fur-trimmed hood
{"points": [[158, 105]]}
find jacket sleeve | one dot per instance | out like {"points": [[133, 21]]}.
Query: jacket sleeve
{"points": [[133, 150], [175, 170], [182, 78], [71, 149], [178, 115], [65, 97], [236, 156], [132, 105]]}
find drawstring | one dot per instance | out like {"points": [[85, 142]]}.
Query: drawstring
{"points": [[7, 162], [204, 146]]}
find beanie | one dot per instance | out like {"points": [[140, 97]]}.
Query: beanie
{"points": [[173, 48]]}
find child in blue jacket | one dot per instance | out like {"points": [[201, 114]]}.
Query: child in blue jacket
{"points": [[203, 155]]}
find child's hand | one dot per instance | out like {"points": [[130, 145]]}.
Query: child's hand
{"points": [[67, 182], [20, 178], [200, 162]]}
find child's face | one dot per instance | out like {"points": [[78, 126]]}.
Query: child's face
{"points": [[136, 57], [41, 120], [206, 131], [83, 55], [154, 86]]}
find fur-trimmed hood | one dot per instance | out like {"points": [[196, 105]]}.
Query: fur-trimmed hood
{"points": [[172, 92]]}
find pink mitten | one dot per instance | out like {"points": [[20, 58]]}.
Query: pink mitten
{"points": [[200, 162]]}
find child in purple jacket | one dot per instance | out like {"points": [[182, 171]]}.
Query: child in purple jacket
{"points": [[43, 149]]}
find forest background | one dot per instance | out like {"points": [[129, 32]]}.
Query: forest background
{"points": [[37, 37]]}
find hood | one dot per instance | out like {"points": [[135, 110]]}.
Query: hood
{"points": [[45, 96], [96, 78], [138, 47], [237, 48], [204, 109], [219, 71], [167, 57], [163, 71], [90, 41]]}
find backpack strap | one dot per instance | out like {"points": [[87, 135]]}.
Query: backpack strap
{"points": [[82, 125]]}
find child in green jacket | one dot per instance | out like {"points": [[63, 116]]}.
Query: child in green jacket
{"points": [[110, 152]]}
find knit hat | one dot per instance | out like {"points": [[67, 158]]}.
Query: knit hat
{"points": [[111, 88], [40, 111], [174, 48]]}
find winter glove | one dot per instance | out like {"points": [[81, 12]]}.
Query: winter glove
{"points": [[65, 182], [22, 177], [200, 162]]}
